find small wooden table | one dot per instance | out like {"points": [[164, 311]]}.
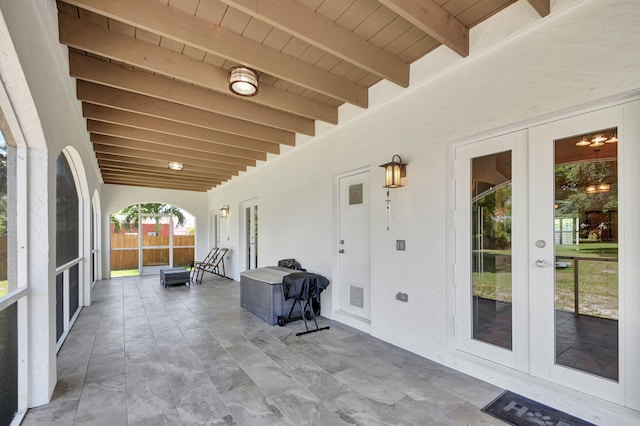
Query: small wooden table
{"points": [[172, 276]]}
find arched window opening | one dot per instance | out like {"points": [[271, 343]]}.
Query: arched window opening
{"points": [[150, 236], [68, 257]]}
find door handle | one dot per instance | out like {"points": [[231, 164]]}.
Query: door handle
{"points": [[541, 263], [341, 251]]}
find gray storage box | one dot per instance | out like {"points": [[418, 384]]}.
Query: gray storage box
{"points": [[171, 276], [261, 293]]}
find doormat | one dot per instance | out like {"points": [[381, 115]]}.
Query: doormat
{"points": [[519, 411]]}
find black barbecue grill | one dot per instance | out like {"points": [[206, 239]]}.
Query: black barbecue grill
{"points": [[304, 288]]}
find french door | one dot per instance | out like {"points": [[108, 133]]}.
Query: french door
{"points": [[491, 253], [544, 228], [155, 242]]}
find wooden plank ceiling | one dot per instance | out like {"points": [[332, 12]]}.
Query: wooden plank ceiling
{"points": [[153, 75]]}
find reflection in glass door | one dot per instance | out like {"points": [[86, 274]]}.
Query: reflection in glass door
{"points": [[573, 315], [586, 252], [491, 261], [491, 248], [580, 322]]}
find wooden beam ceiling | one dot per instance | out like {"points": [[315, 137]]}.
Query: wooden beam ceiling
{"points": [[152, 75], [543, 7], [112, 75], [173, 23], [302, 22], [97, 113], [433, 20], [100, 41]]}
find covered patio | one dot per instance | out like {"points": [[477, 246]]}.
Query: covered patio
{"points": [[143, 354], [106, 105]]}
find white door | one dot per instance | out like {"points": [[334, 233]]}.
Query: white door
{"points": [[354, 245], [491, 234], [249, 237], [543, 284], [577, 246]]}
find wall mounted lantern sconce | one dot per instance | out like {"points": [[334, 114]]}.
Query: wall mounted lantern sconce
{"points": [[224, 211], [394, 171], [243, 81]]}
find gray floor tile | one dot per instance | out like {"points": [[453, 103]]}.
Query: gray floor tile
{"points": [[146, 355]]}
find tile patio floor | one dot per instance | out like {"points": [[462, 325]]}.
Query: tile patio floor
{"points": [[145, 355]]}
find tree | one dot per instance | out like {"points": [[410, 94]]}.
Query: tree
{"points": [[129, 217], [572, 198], [494, 205], [573, 179]]}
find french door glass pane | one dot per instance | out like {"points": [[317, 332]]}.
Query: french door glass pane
{"points": [[155, 257], [183, 239], [491, 249], [586, 252]]}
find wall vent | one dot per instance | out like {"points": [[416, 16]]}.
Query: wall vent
{"points": [[356, 296]]}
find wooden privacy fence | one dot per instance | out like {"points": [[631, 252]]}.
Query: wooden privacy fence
{"points": [[128, 258]]}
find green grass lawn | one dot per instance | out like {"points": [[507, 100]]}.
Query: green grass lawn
{"points": [[598, 280], [588, 250], [4, 287], [125, 273]]}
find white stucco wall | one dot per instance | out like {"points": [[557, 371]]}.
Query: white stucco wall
{"points": [[530, 71]]}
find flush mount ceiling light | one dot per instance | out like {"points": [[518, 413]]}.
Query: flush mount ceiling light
{"points": [[174, 165], [243, 81]]}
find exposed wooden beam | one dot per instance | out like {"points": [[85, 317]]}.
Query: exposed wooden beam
{"points": [[162, 164], [115, 180], [433, 20], [173, 141], [160, 185], [127, 101], [109, 74], [123, 166], [126, 118], [141, 174], [177, 25], [154, 155], [543, 7], [169, 150], [98, 40], [305, 24]]}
